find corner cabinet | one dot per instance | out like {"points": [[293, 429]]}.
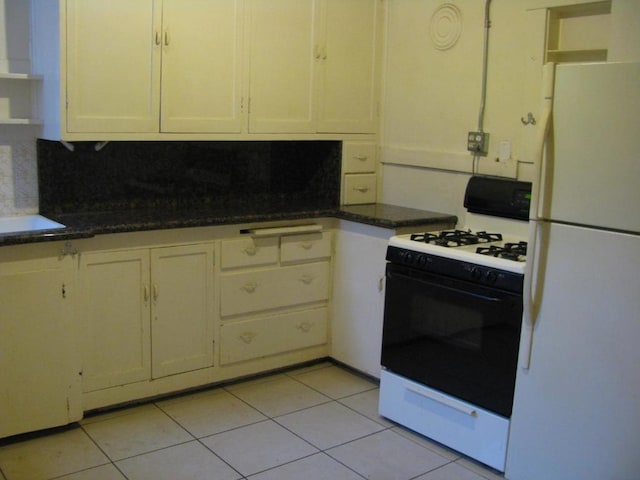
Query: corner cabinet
{"points": [[314, 66], [147, 313], [40, 366]]}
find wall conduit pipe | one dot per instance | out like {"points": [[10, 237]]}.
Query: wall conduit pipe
{"points": [[485, 61]]}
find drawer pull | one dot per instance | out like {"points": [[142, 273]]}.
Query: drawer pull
{"points": [[304, 327], [307, 245], [250, 287], [361, 188], [306, 279], [247, 337], [251, 251], [362, 158], [299, 229]]}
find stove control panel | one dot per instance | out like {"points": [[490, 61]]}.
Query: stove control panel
{"points": [[479, 274]]}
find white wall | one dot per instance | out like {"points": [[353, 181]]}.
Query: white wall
{"points": [[431, 97]]}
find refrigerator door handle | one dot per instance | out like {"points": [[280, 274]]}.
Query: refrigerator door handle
{"points": [[528, 300], [538, 202], [537, 205]]}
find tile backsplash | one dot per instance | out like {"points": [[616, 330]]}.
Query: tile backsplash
{"points": [[18, 177]]}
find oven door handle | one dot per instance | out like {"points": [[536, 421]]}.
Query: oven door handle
{"points": [[390, 275], [443, 400]]}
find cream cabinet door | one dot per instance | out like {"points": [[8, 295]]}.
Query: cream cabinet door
{"points": [[182, 308], [39, 377], [358, 297], [115, 308], [282, 61], [113, 65], [202, 66], [347, 87]]}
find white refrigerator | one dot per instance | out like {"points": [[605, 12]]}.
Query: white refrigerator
{"points": [[576, 413]]}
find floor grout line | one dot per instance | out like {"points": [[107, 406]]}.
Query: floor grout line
{"points": [[276, 419]]}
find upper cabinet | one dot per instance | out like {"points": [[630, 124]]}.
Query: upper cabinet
{"points": [[313, 66], [113, 69], [201, 65], [206, 69], [153, 66], [348, 70], [282, 65]]}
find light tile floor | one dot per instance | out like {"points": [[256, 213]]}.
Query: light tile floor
{"points": [[314, 423]]}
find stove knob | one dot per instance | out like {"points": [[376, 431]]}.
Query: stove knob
{"points": [[476, 273], [492, 277], [408, 258], [422, 260]]}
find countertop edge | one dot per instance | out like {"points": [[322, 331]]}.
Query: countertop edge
{"points": [[379, 215]]}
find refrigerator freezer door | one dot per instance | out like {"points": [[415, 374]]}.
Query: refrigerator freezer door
{"points": [[593, 168], [575, 413]]}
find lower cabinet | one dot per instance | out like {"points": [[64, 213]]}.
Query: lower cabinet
{"points": [[39, 364], [358, 296], [274, 295], [147, 313]]}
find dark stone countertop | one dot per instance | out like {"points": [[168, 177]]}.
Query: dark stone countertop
{"points": [[87, 225]]}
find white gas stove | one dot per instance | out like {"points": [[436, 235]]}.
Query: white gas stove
{"points": [[480, 247], [452, 323]]}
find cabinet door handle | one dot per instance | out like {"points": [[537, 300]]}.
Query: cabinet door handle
{"points": [[166, 38], [250, 287], [158, 39], [316, 52], [247, 337], [155, 292], [251, 251], [361, 188], [306, 279], [146, 293], [304, 327]]}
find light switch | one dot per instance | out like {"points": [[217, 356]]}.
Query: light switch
{"points": [[504, 153]]}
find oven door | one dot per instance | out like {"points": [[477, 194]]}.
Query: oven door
{"points": [[452, 335]]}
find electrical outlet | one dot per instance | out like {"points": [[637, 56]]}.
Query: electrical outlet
{"points": [[478, 143]]}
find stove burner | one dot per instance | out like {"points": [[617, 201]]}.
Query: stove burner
{"points": [[456, 238], [510, 251]]}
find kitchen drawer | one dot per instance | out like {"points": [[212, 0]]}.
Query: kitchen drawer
{"points": [[359, 188], [248, 251], [309, 246], [273, 288], [358, 157], [271, 335]]}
